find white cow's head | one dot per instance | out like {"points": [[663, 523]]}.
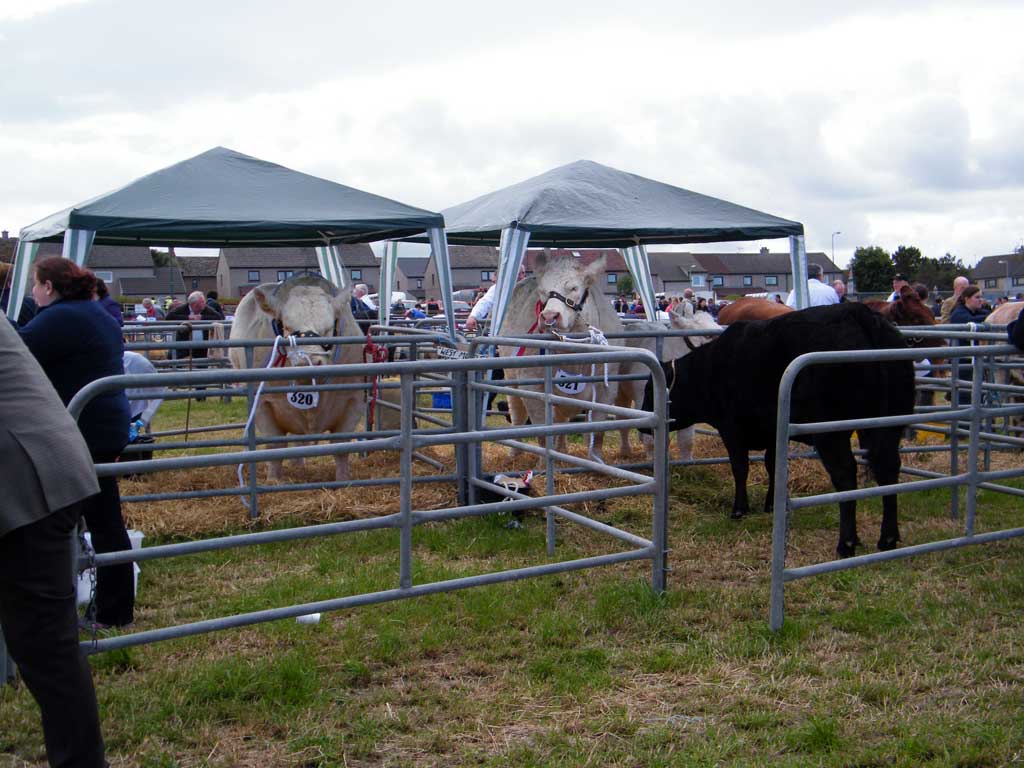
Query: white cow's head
{"points": [[685, 318], [564, 289], [308, 307]]}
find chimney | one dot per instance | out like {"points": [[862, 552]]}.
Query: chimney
{"points": [[764, 251], [3, 235]]}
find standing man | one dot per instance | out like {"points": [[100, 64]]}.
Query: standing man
{"points": [[949, 304], [483, 307], [819, 293], [47, 475], [195, 309], [897, 282], [840, 288]]}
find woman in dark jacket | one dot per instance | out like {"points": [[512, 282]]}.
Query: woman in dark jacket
{"points": [[108, 303], [967, 310], [76, 342]]}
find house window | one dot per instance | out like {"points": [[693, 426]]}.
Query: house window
{"points": [[771, 280], [419, 282], [718, 281], [697, 281], [357, 274], [195, 283], [106, 277], [612, 278], [1018, 281], [748, 281], [486, 276], [991, 282], [254, 276], [284, 274]]}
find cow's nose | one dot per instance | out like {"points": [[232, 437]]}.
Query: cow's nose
{"points": [[549, 317]]}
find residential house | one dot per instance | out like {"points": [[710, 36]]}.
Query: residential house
{"points": [[1001, 275], [732, 274], [242, 269], [165, 281], [473, 267], [199, 272], [409, 277]]}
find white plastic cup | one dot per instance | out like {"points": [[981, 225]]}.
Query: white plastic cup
{"points": [[309, 618]]}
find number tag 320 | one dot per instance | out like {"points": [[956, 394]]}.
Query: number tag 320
{"points": [[304, 400]]}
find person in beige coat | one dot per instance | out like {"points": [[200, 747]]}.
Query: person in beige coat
{"points": [[46, 474]]}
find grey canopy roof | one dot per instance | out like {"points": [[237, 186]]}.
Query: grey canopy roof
{"points": [[223, 198], [587, 204]]}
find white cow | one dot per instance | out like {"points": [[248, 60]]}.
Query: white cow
{"points": [[562, 296], [631, 393], [307, 307]]}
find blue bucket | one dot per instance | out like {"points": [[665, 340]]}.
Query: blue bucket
{"points": [[442, 399]]}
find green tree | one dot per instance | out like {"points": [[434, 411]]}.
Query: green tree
{"points": [[162, 258], [907, 261], [872, 269], [625, 285], [939, 273]]}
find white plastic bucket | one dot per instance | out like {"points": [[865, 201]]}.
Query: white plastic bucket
{"points": [[85, 577]]}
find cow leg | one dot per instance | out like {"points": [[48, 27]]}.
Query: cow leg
{"points": [[684, 441], [740, 462], [884, 458], [348, 423], [266, 426], [837, 457]]}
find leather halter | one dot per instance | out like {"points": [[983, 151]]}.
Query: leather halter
{"points": [[573, 305]]}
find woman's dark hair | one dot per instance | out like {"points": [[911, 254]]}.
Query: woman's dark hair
{"points": [[921, 290], [68, 279], [101, 288], [966, 293]]}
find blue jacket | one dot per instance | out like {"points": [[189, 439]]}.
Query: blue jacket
{"points": [[77, 342]]}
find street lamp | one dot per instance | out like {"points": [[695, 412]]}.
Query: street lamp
{"points": [[1007, 263], [834, 246]]}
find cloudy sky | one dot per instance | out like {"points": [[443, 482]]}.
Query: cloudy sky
{"points": [[892, 122]]}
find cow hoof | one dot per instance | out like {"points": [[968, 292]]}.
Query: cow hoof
{"points": [[847, 548], [738, 514], [884, 545]]}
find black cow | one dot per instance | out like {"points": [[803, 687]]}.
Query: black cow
{"points": [[732, 383]]}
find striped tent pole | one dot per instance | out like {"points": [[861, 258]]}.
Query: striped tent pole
{"points": [[389, 259], [331, 265], [23, 261], [511, 252], [640, 268], [798, 261], [439, 249], [77, 244]]}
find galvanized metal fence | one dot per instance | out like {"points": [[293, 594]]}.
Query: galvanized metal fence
{"points": [[407, 441]]}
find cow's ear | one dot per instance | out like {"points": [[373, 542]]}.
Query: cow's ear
{"points": [[342, 299], [540, 262], [265, 301], [594, 271]]}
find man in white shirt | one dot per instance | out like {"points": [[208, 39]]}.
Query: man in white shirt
{"points": [[483, 306], [142, 403], [360, 292], [819, 293], [897, 282]]}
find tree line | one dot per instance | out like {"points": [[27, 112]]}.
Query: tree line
{"points": [[873, 268]]}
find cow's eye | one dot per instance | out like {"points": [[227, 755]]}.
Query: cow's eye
{"points": [[326, 347]]}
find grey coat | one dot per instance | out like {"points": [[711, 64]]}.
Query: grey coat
{"points": [[44, 462]]}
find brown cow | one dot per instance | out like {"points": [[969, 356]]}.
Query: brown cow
{"points": [[751, 309]]}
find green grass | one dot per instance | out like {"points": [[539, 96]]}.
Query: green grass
{"points": [[911, 663]]}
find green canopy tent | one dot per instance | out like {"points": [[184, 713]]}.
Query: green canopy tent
{"points": [[589, 205], [224, 199]]}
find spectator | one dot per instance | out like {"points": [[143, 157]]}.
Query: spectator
{"points": [[968, 309], [152, 310], [702, 304], [937, 307], [688, 296], [48, 461], [922, 292], [897, 282], [108, 303], [195, 310], [959, 284], [28, 304], [142, 403], [211, 301], [778, 299], [1015, 332], [819, 293], [840, 288], [361, 293], [77, 342], [416, 313]]}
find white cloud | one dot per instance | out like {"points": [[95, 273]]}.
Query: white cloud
{"points": [[21, 10]]}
